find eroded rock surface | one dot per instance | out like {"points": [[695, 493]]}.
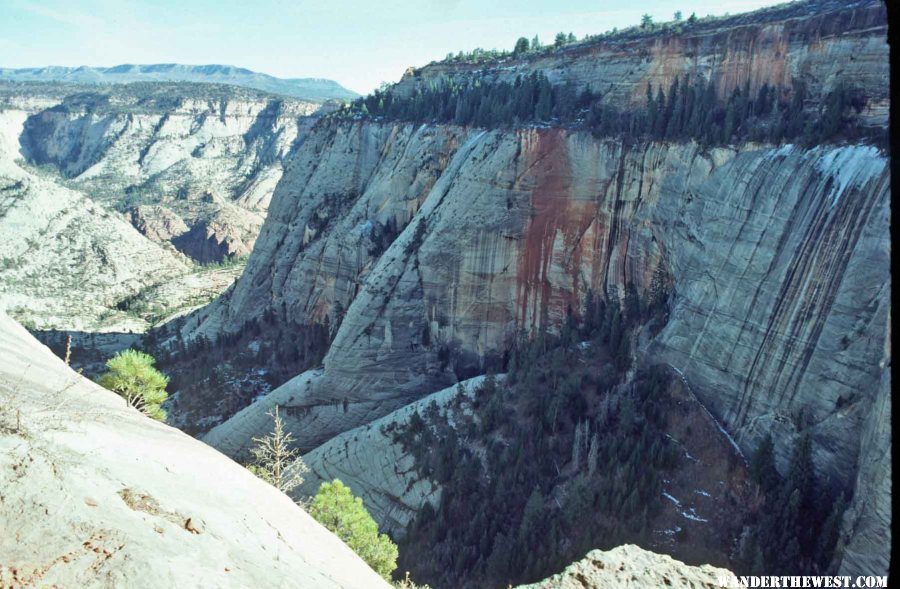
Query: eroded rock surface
{"points": [[631, 566], [94, 494], [191, 166]]}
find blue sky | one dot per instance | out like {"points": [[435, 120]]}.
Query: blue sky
{"points": [[357, 43]]}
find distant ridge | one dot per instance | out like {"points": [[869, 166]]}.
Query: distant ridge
{"points": [[315, 89]]}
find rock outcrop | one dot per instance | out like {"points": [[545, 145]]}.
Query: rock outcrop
{"points": [[159, 223], [631, 566], [230, 233], [97, 495]]}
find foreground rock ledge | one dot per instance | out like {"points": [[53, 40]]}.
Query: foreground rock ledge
{"points": [[93, 494], [631, 566]]}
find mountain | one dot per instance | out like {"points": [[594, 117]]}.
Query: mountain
{"points": [[745, 249], [311, 89], [179, 175], [96, 495]]}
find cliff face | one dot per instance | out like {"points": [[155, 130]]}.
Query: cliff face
{"points": [[774, 259], [819, 43], [97, 495]]}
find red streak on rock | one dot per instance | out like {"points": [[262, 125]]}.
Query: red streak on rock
{"points": [[555, 216]]}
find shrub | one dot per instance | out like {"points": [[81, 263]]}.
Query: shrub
{"points": [[132, 375], [335, 507]]}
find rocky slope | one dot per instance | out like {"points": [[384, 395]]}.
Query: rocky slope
{"points": [[631, 566], [312, 89], [377, 468], [97, 495], [703, 498], [192, 166], [775, 258], [67, 260]]}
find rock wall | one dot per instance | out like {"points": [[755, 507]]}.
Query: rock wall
{"points": [[97, 495], [817, 42], [774, 259]]}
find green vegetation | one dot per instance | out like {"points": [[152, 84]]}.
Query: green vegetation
{"points": [[335, 507], [132, 375], [275, 461], [796, 528], [222, 376], [646, 28], [554, 460], [688, 109]]}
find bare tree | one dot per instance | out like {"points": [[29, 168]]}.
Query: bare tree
{"points": [[275, 461]]}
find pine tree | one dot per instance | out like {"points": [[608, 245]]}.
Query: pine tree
{"points": [[762, 466], [521, 46], [132, 375], [828, 537], [335, 507]]}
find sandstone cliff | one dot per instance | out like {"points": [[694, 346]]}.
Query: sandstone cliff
{"points": [[820, 43], [193, 148], [67, 260], [782, 251], [775, 260], [97, 495]]}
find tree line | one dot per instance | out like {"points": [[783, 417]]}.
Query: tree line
{"points": [[690, 108]]}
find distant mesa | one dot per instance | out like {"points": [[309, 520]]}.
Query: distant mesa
{"points": [[315, 89]]}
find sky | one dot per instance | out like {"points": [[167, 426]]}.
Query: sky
{"points": [[357, 43]]}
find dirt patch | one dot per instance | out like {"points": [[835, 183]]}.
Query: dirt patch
{"points": [[146, 503]]}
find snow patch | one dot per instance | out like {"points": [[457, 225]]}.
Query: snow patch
{"points": [[733, 443], [672, 499], [689, 514]]}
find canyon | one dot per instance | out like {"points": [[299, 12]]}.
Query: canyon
{"points": [[775, 258], [179, 174], [357, 271]]}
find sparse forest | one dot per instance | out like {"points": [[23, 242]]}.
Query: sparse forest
{"points": [[567, 454], [561, 436], [689, 109]]}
